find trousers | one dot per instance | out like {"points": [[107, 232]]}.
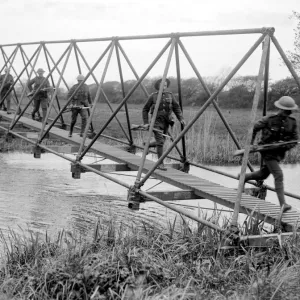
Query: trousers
{"points": [[270, 166], [84, 115], [162, 126], [7, 99], [43, 102]]}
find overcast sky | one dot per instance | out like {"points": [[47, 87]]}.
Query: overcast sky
{"points": [[44, 20]]}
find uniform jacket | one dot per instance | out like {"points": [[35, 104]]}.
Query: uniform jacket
{"points": [[35, 83], [8, 82], [167, 105], [276, 128], [82, 96]]}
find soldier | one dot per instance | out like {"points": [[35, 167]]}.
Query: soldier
{"points": [[163, 119], [80, 103], [276, 128], [41, 98], [9, 80]]}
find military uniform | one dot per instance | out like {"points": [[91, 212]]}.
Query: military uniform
{"points": [[41, 98], [8, 83], [82, 98], [275, 128], [163, 119]]}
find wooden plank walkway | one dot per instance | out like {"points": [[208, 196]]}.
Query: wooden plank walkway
{"points": [[201, 187]]}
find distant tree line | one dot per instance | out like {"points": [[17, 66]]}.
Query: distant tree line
{"points": [[238, 93]]}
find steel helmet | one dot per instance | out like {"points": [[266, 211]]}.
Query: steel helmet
{"points": [[157, 83], [286, 103], [80, 77], [40, 70]]}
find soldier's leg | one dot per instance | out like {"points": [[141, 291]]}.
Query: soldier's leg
{"points": [[44, 105], [2, 107], [73, 121], [84, 115], [36, 107], [274, 168], [160, 140], [8, 101], [261, 174]]}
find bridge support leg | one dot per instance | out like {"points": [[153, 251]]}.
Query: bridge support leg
{"points": [[76, 171], [37, 151], [134, 198]]}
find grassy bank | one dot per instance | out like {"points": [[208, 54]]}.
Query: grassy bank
{"points": [[176, 262], [208, 141]]}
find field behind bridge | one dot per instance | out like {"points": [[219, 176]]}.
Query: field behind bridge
{"points": [[208, 141]]}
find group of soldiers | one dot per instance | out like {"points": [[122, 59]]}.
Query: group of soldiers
{"points": [[39, 87], [274, 128]]}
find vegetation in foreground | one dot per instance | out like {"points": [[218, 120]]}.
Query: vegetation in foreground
{"points": [[179, 262]]}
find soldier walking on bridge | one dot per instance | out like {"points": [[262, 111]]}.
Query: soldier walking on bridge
{"points": [[164, 118], [80, 104], [8, 81], [41, 98], [276, 128]]}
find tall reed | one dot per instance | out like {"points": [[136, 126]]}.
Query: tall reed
{"points": [[183, 261]]}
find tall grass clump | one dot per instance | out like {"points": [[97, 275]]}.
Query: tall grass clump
{"points": [[183, 261]]}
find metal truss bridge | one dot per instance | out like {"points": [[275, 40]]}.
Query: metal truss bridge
{"points": [[192, 187]]}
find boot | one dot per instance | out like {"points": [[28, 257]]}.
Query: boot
{"points": [[44, 111], [71, 129], [279, 189], [159, 150]]}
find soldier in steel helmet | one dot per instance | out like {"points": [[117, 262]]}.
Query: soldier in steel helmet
{"points": [[163, 120], [280, 127], [41, 98], [80, 103], [7, 80]]}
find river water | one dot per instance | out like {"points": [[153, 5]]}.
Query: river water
{"points": [[41, 195]]}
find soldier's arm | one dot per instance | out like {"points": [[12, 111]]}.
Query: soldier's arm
{"points": [[30, 83], [89, 96], [259, 125], [71, 91], [176, 109], [10, 79], [146, 109], [47, 84], [294, 137]]}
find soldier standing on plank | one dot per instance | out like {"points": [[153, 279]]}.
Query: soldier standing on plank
{"points": [[276, 128], [41, 98], [8, 81], [163, 119], [81, 99]]}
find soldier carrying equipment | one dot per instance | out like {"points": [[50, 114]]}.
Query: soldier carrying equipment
{"points": [[280, 127], [80, 101], [164, 118], [40, 98]]}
